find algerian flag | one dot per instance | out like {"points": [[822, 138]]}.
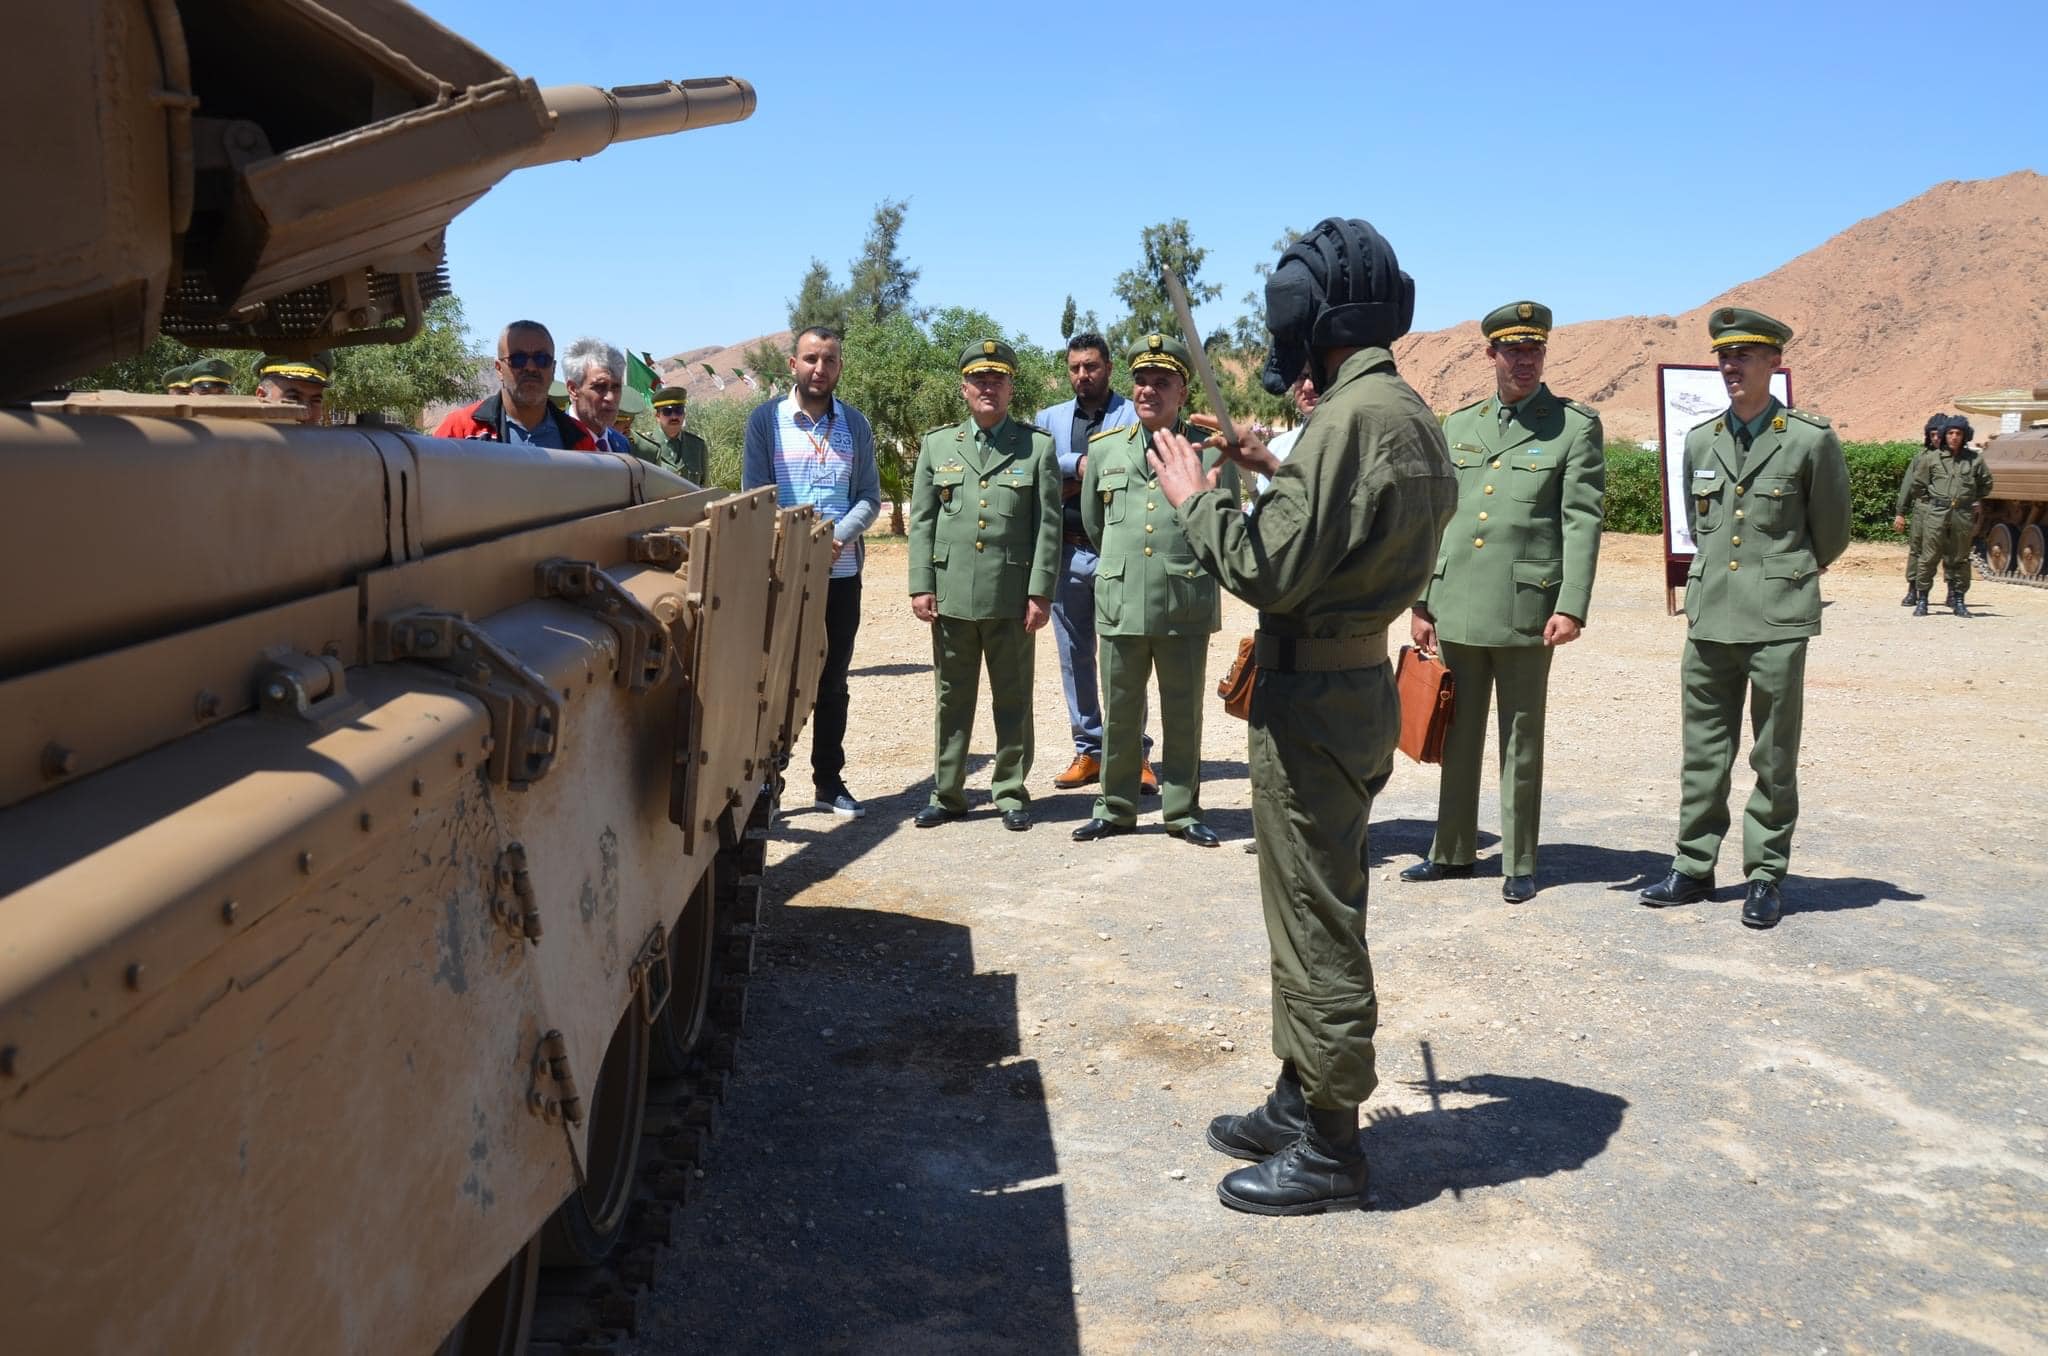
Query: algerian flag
{"points": [[640, 374]]}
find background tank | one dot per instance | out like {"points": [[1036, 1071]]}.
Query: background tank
{"points": [[381, 817], [2013, 531]]}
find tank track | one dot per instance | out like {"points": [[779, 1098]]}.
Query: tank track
{"points": [[591, 1311]]}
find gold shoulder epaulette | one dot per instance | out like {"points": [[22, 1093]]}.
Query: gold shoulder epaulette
{"points": [[1583, 408], [1808, 416], [1473, 406], [1124, 429]]}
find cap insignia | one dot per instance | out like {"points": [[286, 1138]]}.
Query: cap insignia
{"points": [[1778, 424], [988, 346], [1155, 343], [1525, 311], [1727, 316]]}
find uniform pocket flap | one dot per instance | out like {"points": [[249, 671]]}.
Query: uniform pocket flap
{"points": [[1697, 568], [1536, 461], [1112, 480], [944, 478], [1540, 573], [1794, 565], [1110, 567], [939, 552], [1778, 487]]}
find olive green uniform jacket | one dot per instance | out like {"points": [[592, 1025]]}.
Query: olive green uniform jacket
{"points": [[984, 539], [1765, 522], [1525, 544], [1155, 609], [686, 454], [1341, 544]]}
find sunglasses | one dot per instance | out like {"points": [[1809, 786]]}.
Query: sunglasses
{"points": [[520, 360], [668, 412], [209, 388]]}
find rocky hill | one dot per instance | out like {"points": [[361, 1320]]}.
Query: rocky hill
{"points": [[722, 380], [1894, 316]]}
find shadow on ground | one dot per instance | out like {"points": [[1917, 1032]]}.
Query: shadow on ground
{"points": [[1530, 1127], [884, 1185]]}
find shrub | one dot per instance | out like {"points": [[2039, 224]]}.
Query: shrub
{"points": [[1635, 492]]}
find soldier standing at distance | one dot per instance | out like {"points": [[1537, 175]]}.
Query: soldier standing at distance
{"points": [[1768, 502], [178, 381], [1944, 492], [984, 559], [210, 377], [1513, 581], [1341, 545], [1155, 606], [681, 451], [1930, 447]]}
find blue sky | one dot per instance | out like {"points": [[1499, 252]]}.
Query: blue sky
{"points": [[1605, 159]]}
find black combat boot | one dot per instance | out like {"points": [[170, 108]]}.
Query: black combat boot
{"points": [[1920, 606], [1912, 597], [1324, 1169], [1957, 606], [1267, 1128]]}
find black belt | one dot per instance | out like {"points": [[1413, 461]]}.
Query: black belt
{"points": [[1935, 501], [1292, 654]]}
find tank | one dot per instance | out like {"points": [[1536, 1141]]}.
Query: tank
{"points": [[381, 829], [2012, 536]]}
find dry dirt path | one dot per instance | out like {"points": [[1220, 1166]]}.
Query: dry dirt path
{"points": [[979, 1063]]}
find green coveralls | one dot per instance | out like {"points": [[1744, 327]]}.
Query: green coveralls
{"points": [[1944, 489], [1524, 544], [1765, 522], [1341, 544], [1155, 609], [984, 540], [1910, 511]]}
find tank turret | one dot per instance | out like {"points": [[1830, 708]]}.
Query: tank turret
{"points": [[269, 174]]}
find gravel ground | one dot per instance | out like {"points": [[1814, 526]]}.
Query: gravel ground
{"points": [[979, 1063]]}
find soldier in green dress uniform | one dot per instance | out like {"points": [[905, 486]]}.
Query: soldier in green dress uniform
{"points": [[1155, 606], [1767, 497], [680, 450], [1340, 546], [210, 377], [1513, 581], [1930, 447], [281, 377], [178, 381], [984, 557], [1944, 491]]}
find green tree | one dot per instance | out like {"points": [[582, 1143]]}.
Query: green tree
{"points": [[1067, 319], [1165, 245], [880, 281], [722, 424], [1242, 355]]}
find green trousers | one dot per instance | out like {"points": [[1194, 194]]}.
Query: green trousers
{"points": [[1944, 541], [1322, 746], [1128, 663], [1517, 679], [1915, 525], [959, 650], [1715, 678]]}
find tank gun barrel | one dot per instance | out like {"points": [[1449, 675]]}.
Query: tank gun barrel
{"points": [[588, 119]]}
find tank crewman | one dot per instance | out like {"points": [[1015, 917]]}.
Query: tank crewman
{"points": [[302, 381], [680, 450], [1155, 606], [178, 380], [984, 559], [1768, 502], [1513, 581], [210, 377], [1944, 492], [1341, 545], [1930, 446]]}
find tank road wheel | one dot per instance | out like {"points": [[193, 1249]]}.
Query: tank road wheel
{"points": [[2033, 556], [588, 1225], [691, 949], [1998, 549], [500, 1320]]}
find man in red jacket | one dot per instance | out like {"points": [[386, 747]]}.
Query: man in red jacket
{"points": [[520, 412]]}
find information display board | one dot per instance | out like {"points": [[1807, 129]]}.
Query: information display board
{"points": [[1689, 394]]}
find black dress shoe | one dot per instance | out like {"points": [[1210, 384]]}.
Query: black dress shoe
{"points": [[1100, 828], [1920, 606], [1198, 833], [1323, 1169], [1957, 606], [1678, 888], [933, 814], [1517, 889], [1268, 1127], [1016, 821], [1429, 870], [1762, 906]]}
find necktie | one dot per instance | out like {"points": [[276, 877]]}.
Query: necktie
{"points": [[1507, 413]]}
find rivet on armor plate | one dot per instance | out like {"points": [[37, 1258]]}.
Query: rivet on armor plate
{"points": [[7, 1053], [228, 909], [365, 821], [306, 863], [133, 978], [58, 761]]}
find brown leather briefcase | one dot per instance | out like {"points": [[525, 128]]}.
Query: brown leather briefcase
{"points": [[1428, 694]]}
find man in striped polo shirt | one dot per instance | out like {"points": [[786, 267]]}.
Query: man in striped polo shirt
{"points": [[817, 450]]}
